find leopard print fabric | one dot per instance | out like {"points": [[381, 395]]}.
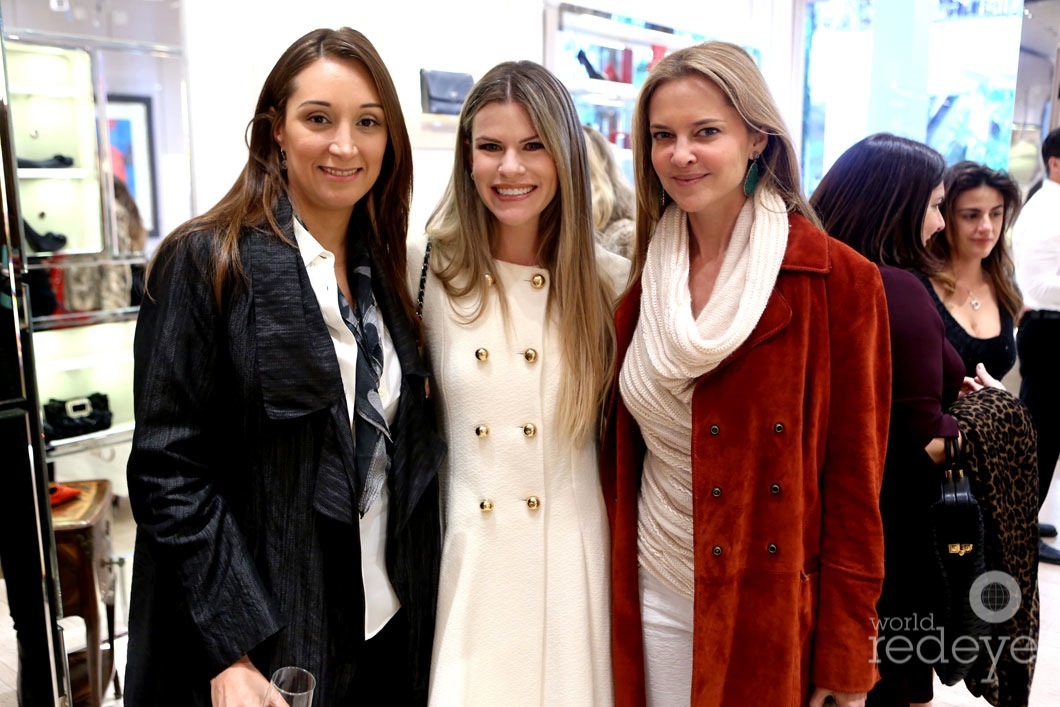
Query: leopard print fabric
{"points": [[1000, 457]]}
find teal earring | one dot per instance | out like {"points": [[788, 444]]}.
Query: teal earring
{"points": [[751, 180], [662, 196]]}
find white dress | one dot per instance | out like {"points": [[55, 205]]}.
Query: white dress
{"points": [[524, 601]]}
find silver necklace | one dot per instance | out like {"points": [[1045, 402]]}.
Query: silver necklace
{"points": [[976, 304]]}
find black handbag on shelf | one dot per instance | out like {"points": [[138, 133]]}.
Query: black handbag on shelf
{"points": [[957, 523], [77, 416], [444, 91]]}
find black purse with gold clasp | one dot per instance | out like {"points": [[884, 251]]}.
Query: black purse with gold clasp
{"points": [[958, 534]]}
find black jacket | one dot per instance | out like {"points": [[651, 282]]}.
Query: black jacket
{"points": [[241, 465]]}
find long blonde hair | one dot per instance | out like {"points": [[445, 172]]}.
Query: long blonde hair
{"points": [[462, 232], [732, 70], [613, 196]]}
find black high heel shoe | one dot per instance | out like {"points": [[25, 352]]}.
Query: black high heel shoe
{"points": [[51, 163], [589, 68], [48, 243]]}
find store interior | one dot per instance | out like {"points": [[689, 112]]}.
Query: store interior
{"points": [[153, 97]]}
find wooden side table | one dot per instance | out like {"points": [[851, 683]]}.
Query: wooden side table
{"points": [[86, 580]]}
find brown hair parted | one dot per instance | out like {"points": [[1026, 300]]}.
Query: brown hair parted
{"points": [[462, 235], [875, 196], [733, 70], [962, 177], [381, 216]]}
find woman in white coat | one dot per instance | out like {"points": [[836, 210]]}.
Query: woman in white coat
{"points": [[517, 303]]}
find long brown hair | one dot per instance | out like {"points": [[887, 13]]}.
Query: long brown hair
{"points": [[462, 232], [381, 216], [732, 70], [998, 266], [875, 196]]}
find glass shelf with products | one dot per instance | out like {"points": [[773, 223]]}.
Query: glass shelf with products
{"points": [[603, 59]]}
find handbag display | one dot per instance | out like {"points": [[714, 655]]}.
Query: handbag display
{"points": [[444, 91], [957, 524], [77, 416]]}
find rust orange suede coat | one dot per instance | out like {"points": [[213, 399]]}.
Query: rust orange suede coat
{"points": [[788, 443]]}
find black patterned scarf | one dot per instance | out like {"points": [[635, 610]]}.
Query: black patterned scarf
{"points": [[371, 433]]}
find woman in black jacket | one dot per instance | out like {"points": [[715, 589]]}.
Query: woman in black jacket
{"points": [[283, 472]]}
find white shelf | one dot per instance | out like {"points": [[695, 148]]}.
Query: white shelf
{"points": [[115, 434], [604, 92], [38, 91], [79, 363], [55, 173]]}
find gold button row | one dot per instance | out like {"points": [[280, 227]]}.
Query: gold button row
{"points": [[532, 502], [529, 430], [530, 355]]}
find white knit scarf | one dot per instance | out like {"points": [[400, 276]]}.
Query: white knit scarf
{"points": [[671, 349]]}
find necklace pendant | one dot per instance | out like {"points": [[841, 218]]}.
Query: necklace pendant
{"points": [[975, 304]]}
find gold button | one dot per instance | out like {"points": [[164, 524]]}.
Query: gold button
{"points": [[489, 279], [530, 355], [482, 431], [529, 429], [533, 503], [485, 505], [537, 281], [482, 354]]}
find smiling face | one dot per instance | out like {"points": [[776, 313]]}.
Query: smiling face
{"points": [[700, 147], [979, 215], [933, 221], [335, 137], [513, 172]]}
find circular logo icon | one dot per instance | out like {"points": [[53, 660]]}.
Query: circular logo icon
{"points": [[994, 596]]}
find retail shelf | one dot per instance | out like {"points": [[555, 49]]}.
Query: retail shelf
{"points": [[55, 173], [65, 321], [79, 363], [115, 434]]}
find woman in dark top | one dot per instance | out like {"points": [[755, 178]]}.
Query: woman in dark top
{"points": [[974, 288], [888, 221]]}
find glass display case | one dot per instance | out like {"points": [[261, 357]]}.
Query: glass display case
{"points": [[603, 59], [97, 124]]}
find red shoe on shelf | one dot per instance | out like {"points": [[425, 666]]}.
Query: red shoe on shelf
{"points": [[62, 494]]}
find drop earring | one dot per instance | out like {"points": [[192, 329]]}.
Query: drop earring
{"points": [[751, 180], [283, 160], [662, 196]]}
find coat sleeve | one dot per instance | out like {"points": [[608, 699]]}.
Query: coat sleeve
{"points": [[851, 574], [183, 519], [919, 350]]}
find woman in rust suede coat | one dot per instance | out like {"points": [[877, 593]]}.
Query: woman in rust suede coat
{"points": [[753, 385]]}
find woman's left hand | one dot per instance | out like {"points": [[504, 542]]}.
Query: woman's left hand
{"points": [[842, 699], [982, 379], [986, 380]]}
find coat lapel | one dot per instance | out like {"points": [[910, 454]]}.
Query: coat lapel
{"points": [[296, 360]]}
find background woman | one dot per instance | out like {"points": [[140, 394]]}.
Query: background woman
{"points": [[613, 198], [974, 290], [743, 456], [517, 307], [283, 471], [889, 221]]}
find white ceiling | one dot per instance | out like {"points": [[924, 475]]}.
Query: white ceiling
{"points": [[1041, 27]]}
